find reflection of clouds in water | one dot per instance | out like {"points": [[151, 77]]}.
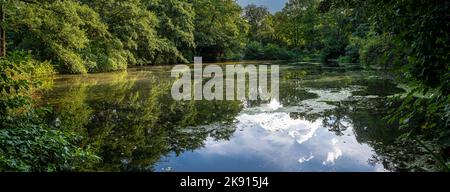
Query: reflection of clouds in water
{"points": [[333, 155], [252, 137], [255, 143], [306, 159], [274, 105], [276, 141], [287, 144], [298, 129]]}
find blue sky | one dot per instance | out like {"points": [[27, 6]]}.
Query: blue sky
{"points": [[273, 5]]}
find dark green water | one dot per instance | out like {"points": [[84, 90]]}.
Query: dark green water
{"points": [[327, 119]]}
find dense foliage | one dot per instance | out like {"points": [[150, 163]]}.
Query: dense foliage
{"points": [[27, 141], [108, 35], [407, 39], [410, 38]]}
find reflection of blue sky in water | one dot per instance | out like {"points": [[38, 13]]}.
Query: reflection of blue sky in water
{"points": [[270, 140]]}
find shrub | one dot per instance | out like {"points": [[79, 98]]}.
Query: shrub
{"points": [[344, 59], [272, 51], [352, 53], [42, 69], [254, 50], [27, 141], [31, 146], [378, 52], [334, 46]]}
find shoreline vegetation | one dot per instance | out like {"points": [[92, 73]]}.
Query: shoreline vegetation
{"points": [[408, 40]]}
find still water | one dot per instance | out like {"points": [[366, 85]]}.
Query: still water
{"points": [[327, 119]]}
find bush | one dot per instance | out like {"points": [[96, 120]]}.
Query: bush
{"points": [[30, 146], [344, 59], [378, 52], [272, 51], [42, 69], [372, 52], [233, 56], [334, 46], [352, 52], [27, 141], [254, 50]]}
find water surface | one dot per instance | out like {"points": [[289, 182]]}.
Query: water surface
{"points": [[326, 119]]}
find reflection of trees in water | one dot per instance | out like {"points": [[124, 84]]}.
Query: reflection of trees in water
{"points": [[337, 120], [369, 126], [70, 109], [311, 117], [135, 123], [376, 86], [404, 155], [291, 93], [366, 116]]}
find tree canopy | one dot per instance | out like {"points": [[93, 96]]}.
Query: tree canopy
{"points": [[81, 36]]}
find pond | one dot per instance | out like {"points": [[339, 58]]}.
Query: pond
{"points": [[326, 119]]}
